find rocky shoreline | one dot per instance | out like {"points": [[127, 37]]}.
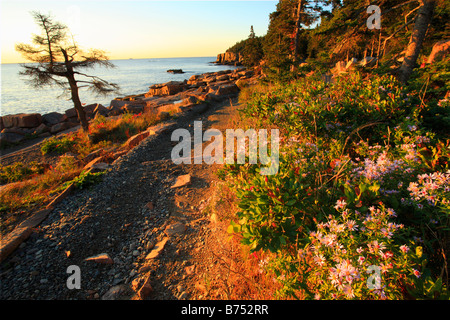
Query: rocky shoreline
{"points": [[172, 96], [136, 234]]}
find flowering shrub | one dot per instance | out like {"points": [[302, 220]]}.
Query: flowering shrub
{"points": [[355, 255], [362, 190]]}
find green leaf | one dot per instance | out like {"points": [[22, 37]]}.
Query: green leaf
{"points": [[291, 202]]}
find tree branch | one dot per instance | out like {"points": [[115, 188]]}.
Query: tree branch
{"points": [[396, 31]]}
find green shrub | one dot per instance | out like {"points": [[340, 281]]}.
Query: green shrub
{"points": [[87, 179], [58, 145], [358, 171], [19, 171]]}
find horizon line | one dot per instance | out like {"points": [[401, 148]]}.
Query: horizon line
{"points": [[180, 57]]}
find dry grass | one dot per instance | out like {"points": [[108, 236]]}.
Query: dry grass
{"points": [[248, 91], [230, 271], [19, 199]]}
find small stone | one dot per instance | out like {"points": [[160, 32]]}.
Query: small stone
{"points": [[149, 245], [149, 205], [190, 270], [101, 258], [176, 228], [157, 250], [116, 293], [182, 181], [145, 268]]}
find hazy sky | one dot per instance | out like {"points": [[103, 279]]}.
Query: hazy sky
{"points": [[139, 28]]}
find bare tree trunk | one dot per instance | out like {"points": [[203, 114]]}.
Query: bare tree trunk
{"points": [[415, 43], [74, 91], [297, 34]]}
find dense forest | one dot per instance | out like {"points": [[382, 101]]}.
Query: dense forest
{"points": [[327, 31]]}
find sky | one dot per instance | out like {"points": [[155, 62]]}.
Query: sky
{"points": [[138, 29]]}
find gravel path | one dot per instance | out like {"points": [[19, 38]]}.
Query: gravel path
{"points": [[124, 216]]}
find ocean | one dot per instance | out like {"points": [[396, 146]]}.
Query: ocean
{"points": [[134, 76]]}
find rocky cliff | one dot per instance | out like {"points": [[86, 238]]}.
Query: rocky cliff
{"points": [[229, 58]]}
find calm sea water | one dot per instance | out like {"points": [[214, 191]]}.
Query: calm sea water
{"points": [[134, 76]]}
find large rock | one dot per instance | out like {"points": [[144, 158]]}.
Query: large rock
{"points": [[182, 181], [166, 89], [92, 163], [117, 103], [133, 108], [196, 108], [15, 130], [227, 89], [22, 120], [71, 113], [175, 229], [246, 73], [52, 118], [61, 127], [90, 108], [101, 110], [115, 109], [175, 71], [41, 129], [10, 138], [157, 249], [146, 288], [440, 50]]}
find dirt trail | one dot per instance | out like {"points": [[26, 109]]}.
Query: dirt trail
{"points": [[131, 213]]}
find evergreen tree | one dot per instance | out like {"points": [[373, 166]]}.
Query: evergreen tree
{"points": [[252, 51], [58, 62], [278, 42], [287, 33]]}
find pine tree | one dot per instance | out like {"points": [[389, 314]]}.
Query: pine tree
{"points": [[58, 61], [278, 41], [252, 51]]}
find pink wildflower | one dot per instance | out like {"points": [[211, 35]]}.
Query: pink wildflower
{"points": [[404, 248]]}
